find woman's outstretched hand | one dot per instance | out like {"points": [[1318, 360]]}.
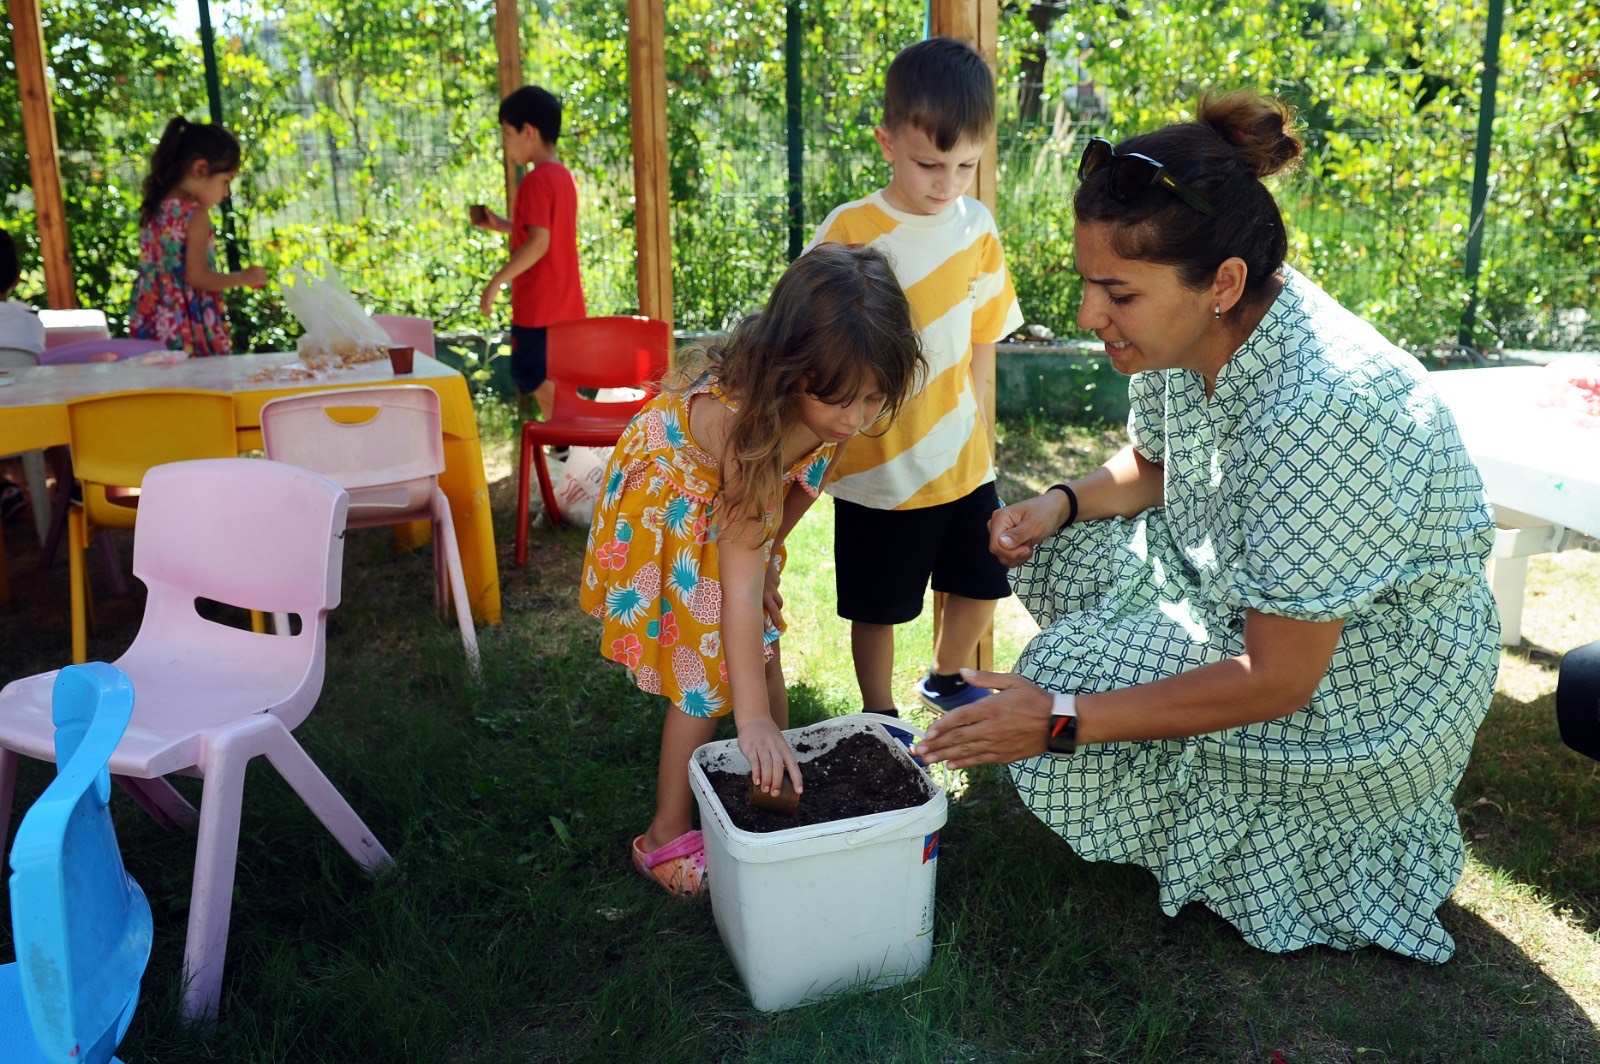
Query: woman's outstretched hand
{"points": [[768, 752], [1009, 725], [1016, 529]]}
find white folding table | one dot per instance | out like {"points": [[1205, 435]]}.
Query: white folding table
{"points": [[1541, 469]]}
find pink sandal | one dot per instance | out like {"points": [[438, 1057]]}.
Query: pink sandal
{"points": [[679, 866]]}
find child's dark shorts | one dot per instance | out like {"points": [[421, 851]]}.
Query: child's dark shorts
{"points": [[528, 357], [884, 558]]}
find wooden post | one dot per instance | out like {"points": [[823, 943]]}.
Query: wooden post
{"points": [[508, 45], [44, 162], [647, 72], [974, 21]]}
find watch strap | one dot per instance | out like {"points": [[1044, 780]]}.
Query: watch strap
{"points": [[1063, 737]]}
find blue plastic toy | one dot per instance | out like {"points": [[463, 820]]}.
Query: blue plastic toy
{"points": [[81, 925]]}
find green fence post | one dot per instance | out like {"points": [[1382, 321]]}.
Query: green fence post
{"points": [[1480, 167], [793, 42], [208, 48]]}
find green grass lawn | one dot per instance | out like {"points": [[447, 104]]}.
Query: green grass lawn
{"points": [[513, 928]]}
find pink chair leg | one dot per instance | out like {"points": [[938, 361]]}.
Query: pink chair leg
{"points": [[162, 802], [113, 563], [217, 848], [9, 759], [444, 545], [215, 862], [324, 799]]}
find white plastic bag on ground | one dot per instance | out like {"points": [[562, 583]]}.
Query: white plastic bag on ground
{"points": [[338, 332], [579, 484]]}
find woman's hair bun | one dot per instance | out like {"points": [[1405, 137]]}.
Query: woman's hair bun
{"points": [[1260, 128]]}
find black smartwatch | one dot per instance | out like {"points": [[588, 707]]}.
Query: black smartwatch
{"points": [[1064, 726]]}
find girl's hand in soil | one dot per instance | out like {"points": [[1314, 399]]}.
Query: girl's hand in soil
{"points": [[1009, 725], [764, 746]]}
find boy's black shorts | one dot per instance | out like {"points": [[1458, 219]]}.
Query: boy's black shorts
{"points": [[883, 558], [528, 364]]}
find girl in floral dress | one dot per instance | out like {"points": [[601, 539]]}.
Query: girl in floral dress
{"points": [[177, 296], [687, 544]]}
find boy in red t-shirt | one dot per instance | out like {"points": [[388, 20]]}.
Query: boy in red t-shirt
{"points": [[543, 268]]}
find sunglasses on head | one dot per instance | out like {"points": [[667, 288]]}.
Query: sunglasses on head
{"points": [[1132, 175]]}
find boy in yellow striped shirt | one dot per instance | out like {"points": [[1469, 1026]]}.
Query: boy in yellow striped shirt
{"points": [[912, 499]]}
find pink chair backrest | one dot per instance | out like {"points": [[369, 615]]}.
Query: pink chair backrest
{"points": [[408, 331], [100, 350], [244, 531], [363, 438], [69, 326]]}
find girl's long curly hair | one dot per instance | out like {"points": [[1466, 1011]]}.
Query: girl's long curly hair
{"points": [[837, 324]]}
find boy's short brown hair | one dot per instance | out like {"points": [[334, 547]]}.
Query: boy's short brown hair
{"points": [[943, 87]]}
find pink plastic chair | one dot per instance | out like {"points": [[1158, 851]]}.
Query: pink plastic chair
{"points": [[385, 446], [412, 332], [98, 350], [209, 697], [69, 326]]}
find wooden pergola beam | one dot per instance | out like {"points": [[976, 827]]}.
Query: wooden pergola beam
{"points": [[508, 47], [647, 75], [977, 22], [44, 160]]}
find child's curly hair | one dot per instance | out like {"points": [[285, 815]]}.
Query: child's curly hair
{"points": [[837, 324]]}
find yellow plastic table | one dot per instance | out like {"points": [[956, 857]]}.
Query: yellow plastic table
{"points": [[33, 414]]}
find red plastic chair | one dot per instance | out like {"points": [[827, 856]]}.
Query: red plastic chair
{"points": [[609, 352]]}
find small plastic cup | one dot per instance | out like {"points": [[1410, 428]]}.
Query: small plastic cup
{"points": [[401, 359], [786, 801]]}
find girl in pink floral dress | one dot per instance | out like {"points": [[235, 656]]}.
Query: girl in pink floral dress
{"points": [[177, 296], [686, 548]]}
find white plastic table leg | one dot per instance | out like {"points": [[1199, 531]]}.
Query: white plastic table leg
{"points": [[1508, 578]]}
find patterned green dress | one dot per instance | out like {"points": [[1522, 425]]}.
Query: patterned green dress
{"points": [[1323, 479]]}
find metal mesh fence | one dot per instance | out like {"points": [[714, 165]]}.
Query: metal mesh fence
{"points": [[368, 156]]}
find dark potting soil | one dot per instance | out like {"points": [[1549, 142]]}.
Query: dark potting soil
{"points": [[858, 777]]}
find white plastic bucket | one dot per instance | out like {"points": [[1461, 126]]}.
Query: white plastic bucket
{"points": [[812, 911]]}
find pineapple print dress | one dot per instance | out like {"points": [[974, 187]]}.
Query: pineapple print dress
{"points": [[1322, 479], [651, 572]]}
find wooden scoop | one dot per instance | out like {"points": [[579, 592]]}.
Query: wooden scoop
{"points": [[786, 801]]}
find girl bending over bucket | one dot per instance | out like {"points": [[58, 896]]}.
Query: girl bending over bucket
{"points": [[686, 548]]}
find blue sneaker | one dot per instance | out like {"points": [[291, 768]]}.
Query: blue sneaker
{"points": [[945, 703]]}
